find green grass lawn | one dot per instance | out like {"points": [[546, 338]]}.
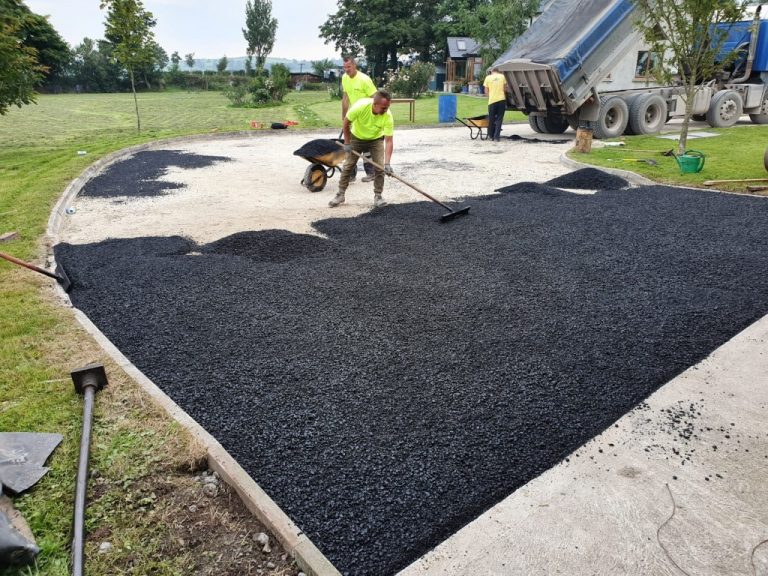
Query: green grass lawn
{"points": [[42, 343], [737, 153]]}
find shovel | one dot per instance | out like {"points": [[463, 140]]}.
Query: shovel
{"points": [[445, 217], [61, 277]]}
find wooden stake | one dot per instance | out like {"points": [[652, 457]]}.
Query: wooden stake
{"points": [[583, 140]]}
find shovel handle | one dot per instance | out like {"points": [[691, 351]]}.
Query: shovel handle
{"points": [[28, 265], [396, 177]]}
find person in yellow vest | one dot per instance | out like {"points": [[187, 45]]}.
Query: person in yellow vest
{"points": [[355, 85], [368, 128], [496, 88]]}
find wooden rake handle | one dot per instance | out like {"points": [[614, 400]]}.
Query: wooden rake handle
{"points": [[396, 177]]}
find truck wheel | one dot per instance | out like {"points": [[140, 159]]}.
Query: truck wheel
{"points": [[533, 122], [573, 121], [648, 114], [725, 109], [762, 116], [554, 123], [612, 119]]}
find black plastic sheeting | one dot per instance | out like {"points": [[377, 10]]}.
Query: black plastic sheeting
{"points": [[388, 384], [22, 458]]}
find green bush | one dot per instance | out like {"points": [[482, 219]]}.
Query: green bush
{"points": [[281, 80], [237, 92], [409, 82], [334, 91]]}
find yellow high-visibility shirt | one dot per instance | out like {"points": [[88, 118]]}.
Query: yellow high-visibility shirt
{"points": [[494, 87], [369, 126], [361, 86]]}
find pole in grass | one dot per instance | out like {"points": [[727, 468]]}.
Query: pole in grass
{"points": [[88, 381]]}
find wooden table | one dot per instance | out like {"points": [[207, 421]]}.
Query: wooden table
{"points": [[411, 102]]}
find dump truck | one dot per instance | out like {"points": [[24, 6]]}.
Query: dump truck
{"points": [[583, 63]]}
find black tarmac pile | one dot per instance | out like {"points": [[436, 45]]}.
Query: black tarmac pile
{"points": [[317, 148], [388, 384], [589, 179], [138, 176]]}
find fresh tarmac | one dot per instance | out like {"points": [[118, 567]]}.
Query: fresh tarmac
{"points": [[390, 381]]}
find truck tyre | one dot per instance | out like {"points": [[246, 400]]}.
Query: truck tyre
{"points": [[648, 114], [554, 123], [573, 120], [725, 109], [612, 118], [762, 116], [533, 122]]}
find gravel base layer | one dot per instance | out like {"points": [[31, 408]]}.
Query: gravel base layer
{"points": [[388, 383]]}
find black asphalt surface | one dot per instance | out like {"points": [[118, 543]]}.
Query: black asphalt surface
{"points": [[387, 385], [139, 175]]}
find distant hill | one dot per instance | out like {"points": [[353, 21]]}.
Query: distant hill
{"points": [[238, 63]]}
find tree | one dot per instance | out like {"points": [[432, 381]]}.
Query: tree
{"points": [[20, 71], [687, 37], [129, 29], [152, 72], [189, 60], [363, 27], [94, 68], [496, 23], [52, 52], [260, 30], [221, 65], [319, 67]]}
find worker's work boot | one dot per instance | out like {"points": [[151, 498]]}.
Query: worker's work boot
{"points": [[378, 201], [368, 178], [338, 199]]}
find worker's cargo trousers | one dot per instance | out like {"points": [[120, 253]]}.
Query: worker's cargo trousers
{"points": [[376, 149]]}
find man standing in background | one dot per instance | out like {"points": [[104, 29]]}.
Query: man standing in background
{"points": [[356, 85], [496, 88]]}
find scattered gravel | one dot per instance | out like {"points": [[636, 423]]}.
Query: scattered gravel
{"points": [[391, 382]]}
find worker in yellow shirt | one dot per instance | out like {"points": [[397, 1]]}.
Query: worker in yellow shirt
{"points": [[496, 88], [368, 128], [355, 85]]}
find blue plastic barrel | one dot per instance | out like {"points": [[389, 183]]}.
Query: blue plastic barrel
{"points": [[446, 107]]}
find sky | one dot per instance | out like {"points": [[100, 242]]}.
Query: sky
{"points": [[208, 28]]}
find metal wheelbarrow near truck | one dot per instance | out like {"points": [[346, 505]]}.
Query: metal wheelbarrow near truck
{"points": [[325, 157], [476, 125]]}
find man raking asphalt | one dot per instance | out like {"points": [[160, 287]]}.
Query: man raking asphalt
{"points": [[369, 127]]}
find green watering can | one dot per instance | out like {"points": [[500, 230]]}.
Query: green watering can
{"points": [[691, 161]]}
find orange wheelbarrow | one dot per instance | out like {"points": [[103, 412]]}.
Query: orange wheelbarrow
{"points": [[476, 125]]}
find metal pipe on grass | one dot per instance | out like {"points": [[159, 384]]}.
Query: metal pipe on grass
{"points": [[88, 381]]}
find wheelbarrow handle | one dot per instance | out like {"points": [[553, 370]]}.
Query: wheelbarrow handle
{"points": [[396, 177]]}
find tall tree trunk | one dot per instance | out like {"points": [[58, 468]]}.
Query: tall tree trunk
{"points": [[135, 101]]}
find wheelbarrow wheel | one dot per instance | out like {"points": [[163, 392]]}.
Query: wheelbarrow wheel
{"points": [[315, 178]]}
